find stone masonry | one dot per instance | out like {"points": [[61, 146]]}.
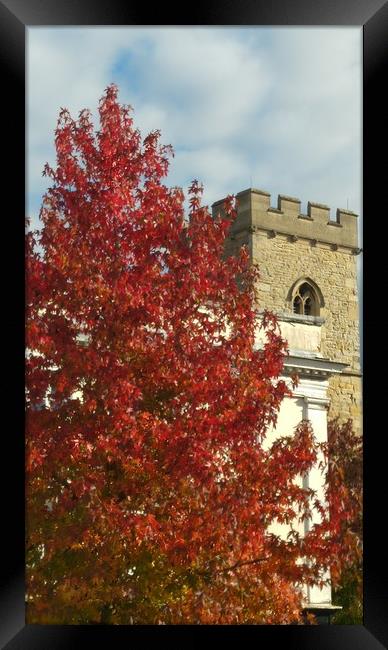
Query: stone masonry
{"points": [[289, 246]]}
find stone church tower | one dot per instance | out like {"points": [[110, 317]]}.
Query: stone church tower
{"points": [[307, 266]]}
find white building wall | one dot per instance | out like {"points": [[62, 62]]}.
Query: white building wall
{"points": [[308, 402]]}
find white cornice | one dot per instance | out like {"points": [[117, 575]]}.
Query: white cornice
{"points": [[312, 366]]}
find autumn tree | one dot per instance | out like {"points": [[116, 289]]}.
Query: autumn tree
{"points": [[149, 490]]}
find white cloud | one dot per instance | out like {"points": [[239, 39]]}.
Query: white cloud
{"points": [[210, 82], [313, 128], [281, 106]]}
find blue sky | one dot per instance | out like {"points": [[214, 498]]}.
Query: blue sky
{"points": [[274, 108]]}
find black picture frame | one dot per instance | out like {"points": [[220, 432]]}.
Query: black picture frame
{"points": [[15, 17]]}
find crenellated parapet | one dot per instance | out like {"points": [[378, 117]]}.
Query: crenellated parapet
{"points": [[255, 213]]}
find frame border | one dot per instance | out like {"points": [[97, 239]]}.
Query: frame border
{"points": [[15, 17]]}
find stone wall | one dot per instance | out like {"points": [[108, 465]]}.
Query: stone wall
{"points": [[328, 258], [345, 394]]}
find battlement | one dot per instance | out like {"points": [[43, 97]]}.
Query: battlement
{"points": [[255, 213]]}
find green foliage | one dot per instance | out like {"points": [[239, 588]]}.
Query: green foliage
{"points": [[348, 594], [345, 480]]}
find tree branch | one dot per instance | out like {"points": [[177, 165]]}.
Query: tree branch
{"points": [[237, 565]]}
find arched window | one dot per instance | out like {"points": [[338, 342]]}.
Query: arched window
{"points": [[305, 300]]}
